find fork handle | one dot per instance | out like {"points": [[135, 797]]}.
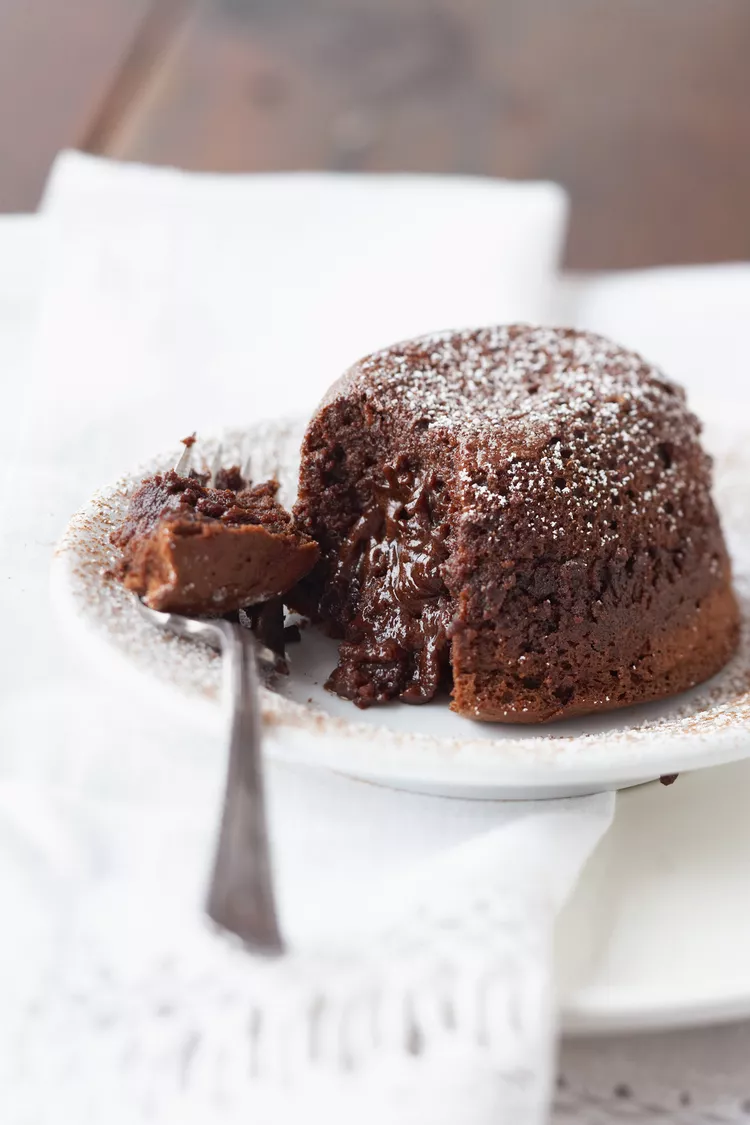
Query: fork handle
{"points": [[240, 897]]}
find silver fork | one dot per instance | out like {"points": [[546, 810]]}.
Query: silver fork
{"points": [[240, 897]]}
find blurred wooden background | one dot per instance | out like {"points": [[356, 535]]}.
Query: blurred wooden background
{"points": [[642, 109]]}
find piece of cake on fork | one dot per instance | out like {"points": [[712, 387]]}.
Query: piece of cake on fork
{"points": [[193, 548]]}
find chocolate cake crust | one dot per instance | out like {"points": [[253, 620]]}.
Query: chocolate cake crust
{"points": [[525, 512]]}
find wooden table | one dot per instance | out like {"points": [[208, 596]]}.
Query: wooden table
{"points": [[642, 109]]}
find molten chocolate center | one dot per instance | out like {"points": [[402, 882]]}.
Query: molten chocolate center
{"points": [[389, 572]]}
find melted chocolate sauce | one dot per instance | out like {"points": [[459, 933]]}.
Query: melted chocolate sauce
{"points": [[396, 633]]}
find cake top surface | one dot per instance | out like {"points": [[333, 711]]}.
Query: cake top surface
{"points": [[565, 418], [477, 377]]}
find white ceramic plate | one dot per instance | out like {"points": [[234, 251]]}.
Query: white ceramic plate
{"points": [[657, 932], [426, 749]]}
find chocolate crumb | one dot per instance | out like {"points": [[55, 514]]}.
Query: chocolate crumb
{"points": [[267, 622]]}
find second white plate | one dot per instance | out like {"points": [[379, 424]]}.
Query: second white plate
{"points": [[657, 931]]}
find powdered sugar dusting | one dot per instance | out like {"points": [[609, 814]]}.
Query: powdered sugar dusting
{"points": [[529, 407], [473, 379]]}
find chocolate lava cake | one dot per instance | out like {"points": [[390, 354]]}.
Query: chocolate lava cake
{"points": [[521, 515], [189, 548]]}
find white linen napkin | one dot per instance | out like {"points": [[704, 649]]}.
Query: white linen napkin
{"points": [[174, 301], [425, 998], [255, 292], [691, 320]]}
